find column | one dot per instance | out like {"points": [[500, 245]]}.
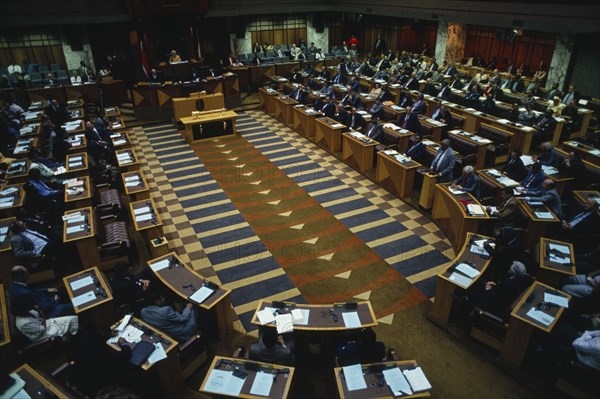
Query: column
{"points": [[321, 40], [560, 60], [440, 41], [73, 58], [455, 42]]}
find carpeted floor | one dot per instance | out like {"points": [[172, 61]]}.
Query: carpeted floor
{"points": [[272, 216]]}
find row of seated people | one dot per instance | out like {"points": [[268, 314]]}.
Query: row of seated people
{"points": [[46, 315], [32, 75]]}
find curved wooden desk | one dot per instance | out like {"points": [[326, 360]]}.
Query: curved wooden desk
{"points": [[180, 278], [447, 283], [450, 213]]}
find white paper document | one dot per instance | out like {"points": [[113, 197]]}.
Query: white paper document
{"points": [[544, 215], [262, 384], [417, 380], [75, 229], [201, 294], [540, 316], [82, 282], [163, 264], [284, 323], [459, 279], [265, 316], [560, 248], [354, 377], [84, 298], [397, 382], [468, 270], [158, 354], [143, 217], [223, 382], [556, 299], [351, 320], [300, 316]]}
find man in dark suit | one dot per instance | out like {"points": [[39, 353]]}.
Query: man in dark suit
{"points": [[507, 210], [514, 167], [328, 107], [584, 221], [356, 121], [154, 77], [419, 107], [444, 92], [57, 112], [46, 298], [374, 130], [416, 149], [298, 94], [180, 326], [444, 161], [468, 181], [409, 121], [380, 45], [412, 83], [31, 247]]}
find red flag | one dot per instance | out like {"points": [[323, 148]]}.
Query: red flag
{"points": [[145, 65]]}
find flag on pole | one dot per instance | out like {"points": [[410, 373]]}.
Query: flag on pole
{"points": [[144, 57]]}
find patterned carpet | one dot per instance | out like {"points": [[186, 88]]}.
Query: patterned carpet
{"points": [[273, 216]]}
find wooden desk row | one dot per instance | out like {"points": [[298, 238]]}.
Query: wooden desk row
{"points": [[531, 311]]}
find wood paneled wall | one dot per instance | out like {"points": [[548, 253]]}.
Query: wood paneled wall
{"points": [[398, 34], [279, 36], [36, 55], [531, 48]]}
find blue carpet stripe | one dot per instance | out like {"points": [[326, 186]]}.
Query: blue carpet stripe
{"points": [[169, 147], [315, 175]]}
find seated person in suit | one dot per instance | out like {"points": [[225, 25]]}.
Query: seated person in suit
{"points": [[507, 210], [179, 326], [544, 128], [298, 94], [376, 109], [327, 90], [488, 105], [355, 120], [498, 296], [42, 190], [365, 349], [419, 106], [583, 221], [127, 287], [31, 247], [548, 157], [532, 184], [341, 115], [583, 286], [573, 166], [328, 108], [416, 149], [410, 121], [468, 181], [154, 77], [549, 196], [31, 321], [48, 299], [374, 130], [405, 100], [272, 348], [526, 117], [444, 161]]}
